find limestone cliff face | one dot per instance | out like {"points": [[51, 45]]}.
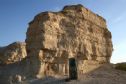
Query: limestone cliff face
{"points": [[74, 32], [12, 53]]}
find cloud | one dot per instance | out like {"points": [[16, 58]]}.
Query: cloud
{"points": [[118, 19]]}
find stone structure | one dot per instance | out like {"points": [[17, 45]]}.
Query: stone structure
{"points": [[75, 32], [12, 53]]}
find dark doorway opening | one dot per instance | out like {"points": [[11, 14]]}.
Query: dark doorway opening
{"points": [[72, 69]]}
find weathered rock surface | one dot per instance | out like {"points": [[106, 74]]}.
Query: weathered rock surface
{"points": [[12, 53], [74, 32], [52, 39]]}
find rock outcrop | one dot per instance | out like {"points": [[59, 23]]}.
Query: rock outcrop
{"points": [[12, 53], [74, 32]]}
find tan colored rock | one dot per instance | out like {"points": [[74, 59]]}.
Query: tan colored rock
{"points": [[74, 32], [12, 53]]}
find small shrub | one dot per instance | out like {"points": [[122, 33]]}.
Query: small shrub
{"points": [[121, 66]]}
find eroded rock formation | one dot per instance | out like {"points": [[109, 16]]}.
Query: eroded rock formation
{"points": [[12, 53], [74, 32]]}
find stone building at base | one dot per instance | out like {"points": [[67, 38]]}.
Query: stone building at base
{"points": [[53, 38]]}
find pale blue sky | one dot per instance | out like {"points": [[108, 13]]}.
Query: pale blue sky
{"points": [[15, 15]]}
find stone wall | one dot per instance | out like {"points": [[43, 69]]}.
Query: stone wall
{"points": [[74, 32]]}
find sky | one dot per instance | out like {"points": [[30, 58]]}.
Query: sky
{"points": [[16, 14]]}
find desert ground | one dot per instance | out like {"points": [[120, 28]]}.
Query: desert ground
{"points": [[103, 75]]}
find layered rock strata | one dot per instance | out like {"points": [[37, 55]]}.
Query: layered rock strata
{"points": [[74, 32]]}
